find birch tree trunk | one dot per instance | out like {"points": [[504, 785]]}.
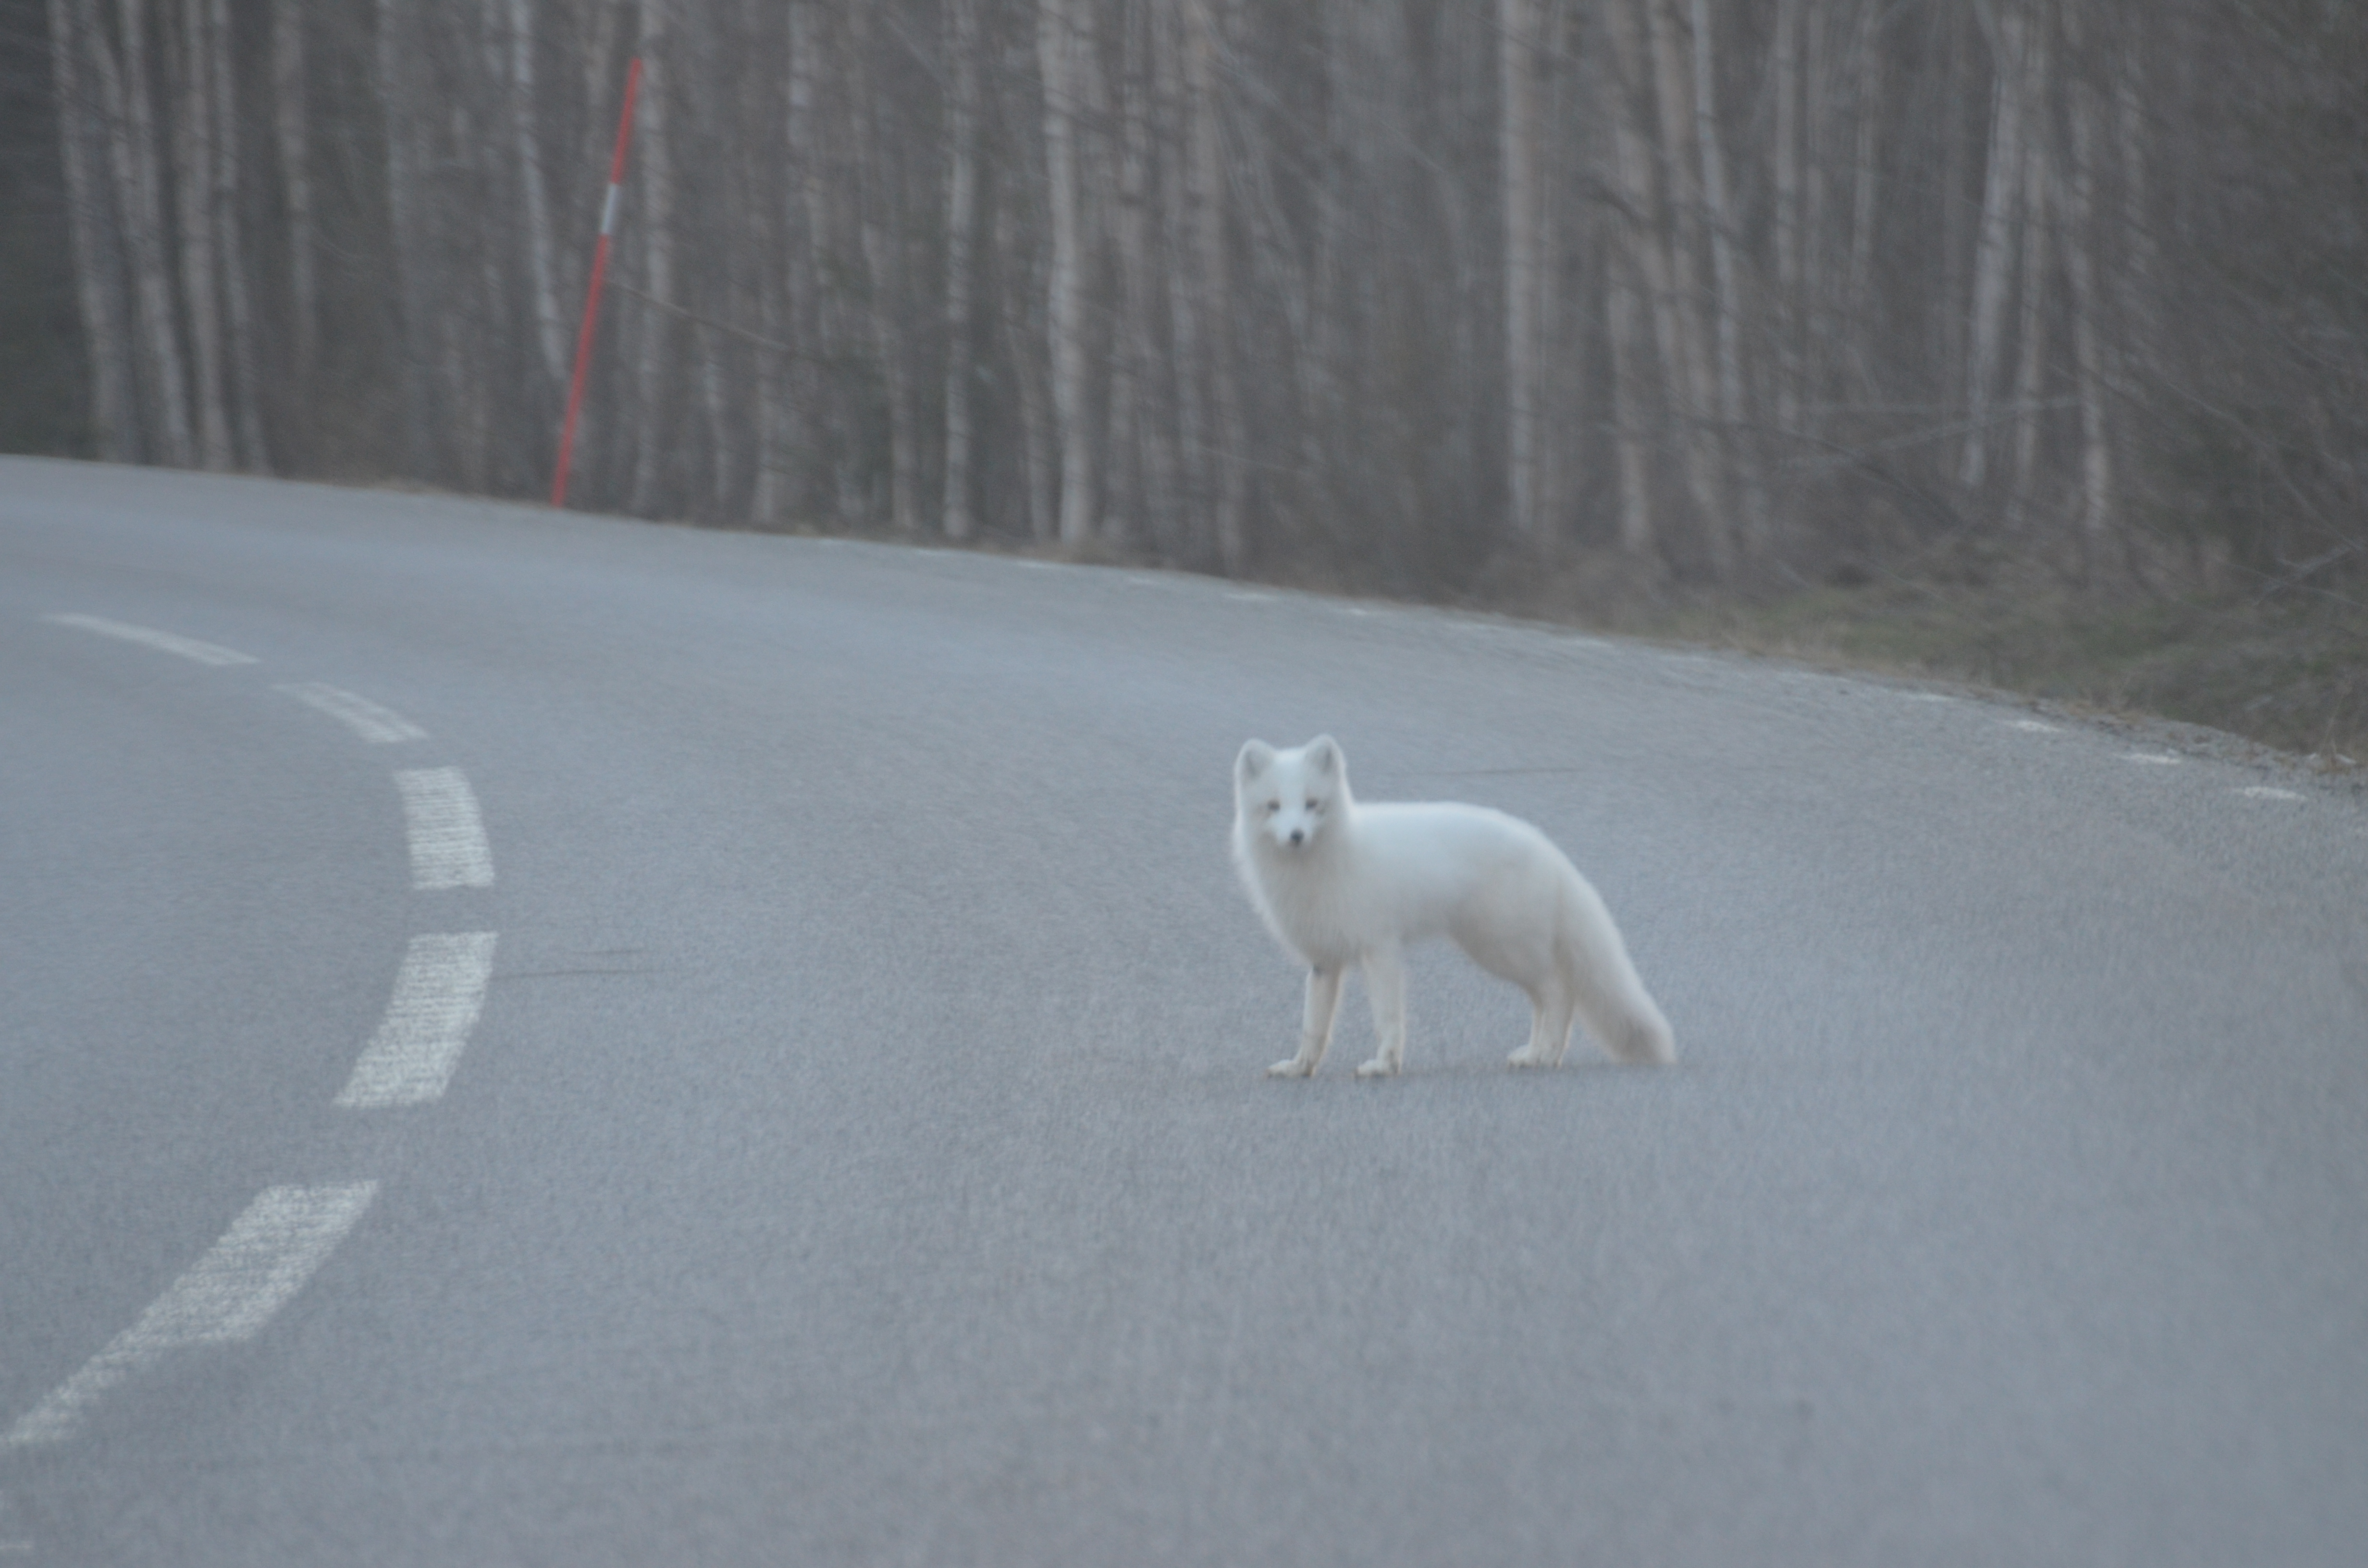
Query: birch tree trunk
{"points": [[779, 437], [1680, 164], [785, 429], [714, 284], [1685, 334], [652, 128], [1141, 439], [961, 231], [290, 86], [2139, 328], [1652, 74], [1638, 271], [1057, 47], [472, 318], [1205, 32], [1994, 249], [193, 179], [2031, 328], [879, 207], [1024, 342], [715, 398], [1866, 108], [1786, 63], [1290, 361], [526, 140], [1812, 327], [94, 220], [1153, 278], [1519, 23], [1628, 409], [414, 290], [1567, 288], [224, 189], [1102, 168], [812, 158], [1735, 442], [1187, 332], [2098, 521], [776, 426]]}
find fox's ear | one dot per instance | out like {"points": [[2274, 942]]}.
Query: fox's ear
{"points": [[1255, 758], [1324, 755]]}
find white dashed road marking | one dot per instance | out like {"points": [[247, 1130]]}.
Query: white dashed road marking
{"points": [[377, 725], [165, 641], [2158, 758], [2034, 726], [2264, 792], [448, 836], [437, 999], [273, 1248], [259, 1264]]}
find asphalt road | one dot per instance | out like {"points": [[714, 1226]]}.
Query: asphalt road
{"points": [[860, 1150]]}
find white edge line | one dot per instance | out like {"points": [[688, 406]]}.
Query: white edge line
{"points": [[226, 1296], [438, 996], [149, 637], [447, 833], [380, 726]]}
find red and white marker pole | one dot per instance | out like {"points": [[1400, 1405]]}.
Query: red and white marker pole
{"points": [[592, 295]]}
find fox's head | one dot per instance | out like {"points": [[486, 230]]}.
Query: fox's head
{"points": [[1288, 797]]}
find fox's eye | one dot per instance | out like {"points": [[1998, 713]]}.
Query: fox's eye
{"points": [[1315, 805], [1272, 807]]}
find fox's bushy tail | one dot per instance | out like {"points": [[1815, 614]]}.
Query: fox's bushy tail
{"points": [[1613, 1001]]}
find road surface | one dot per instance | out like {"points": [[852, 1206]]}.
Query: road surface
{"points": [[537, 1039]]}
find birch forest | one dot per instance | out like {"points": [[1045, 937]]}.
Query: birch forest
{"points": [[1389, 293]]}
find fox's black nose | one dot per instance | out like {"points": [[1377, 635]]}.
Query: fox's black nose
{"points": [[1298, 834]]}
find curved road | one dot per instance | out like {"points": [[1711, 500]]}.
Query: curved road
{"points": [[536, 1039]]}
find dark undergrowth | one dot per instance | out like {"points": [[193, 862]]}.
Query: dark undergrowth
{"points": [[2277, 662]]}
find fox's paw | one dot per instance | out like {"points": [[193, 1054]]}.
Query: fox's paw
{"points": [[1378, 1067], [1525, 1057], [1291, 1067]]}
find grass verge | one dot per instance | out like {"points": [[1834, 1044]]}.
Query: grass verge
{"points": [[2287, 669]]}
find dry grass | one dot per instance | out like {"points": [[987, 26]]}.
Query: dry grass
{"points": [[2287, 668]]}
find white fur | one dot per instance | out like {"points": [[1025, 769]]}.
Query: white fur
{"points": [[1342, 884]]}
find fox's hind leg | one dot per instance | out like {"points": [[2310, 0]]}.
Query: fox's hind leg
{"points": [[1315, 1030], [1385, 989], [1551, 1007]]}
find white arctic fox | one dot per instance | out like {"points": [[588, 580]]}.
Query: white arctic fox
{"points": [[1342, 884]]}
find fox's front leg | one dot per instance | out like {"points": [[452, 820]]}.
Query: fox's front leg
{"points": [[1315, 1030], [1385, 989]]}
